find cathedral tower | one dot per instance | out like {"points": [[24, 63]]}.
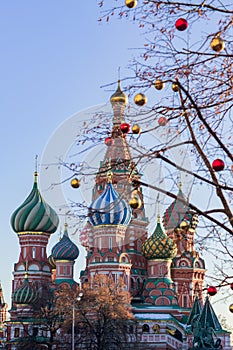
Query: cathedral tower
{"points": [[188, 268], [117, 243], [34, 221]]}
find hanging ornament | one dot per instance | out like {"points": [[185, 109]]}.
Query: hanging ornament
{"points": [[218, 165], [109, 141], [217, 44], [175, 87], [184, 224], [75, 183], [140, 99], [135, 202], [136, 129], [131, 3], [181, 24], [159, 84], [125, 128], [212, 290], [162, 121], [231, 286], [231, 308]]}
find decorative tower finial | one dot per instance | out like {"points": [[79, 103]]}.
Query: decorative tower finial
{"points": [[158, 218], [36, 169], [36, 163]]}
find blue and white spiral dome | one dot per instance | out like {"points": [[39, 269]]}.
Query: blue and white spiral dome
{"points": [[109, 209]]}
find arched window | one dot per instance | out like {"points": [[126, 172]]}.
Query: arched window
{"points": [[33, 252], [16, 332], [145, 328], [110, 242]]}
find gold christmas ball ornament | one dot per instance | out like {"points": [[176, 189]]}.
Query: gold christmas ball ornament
{"points": [[159, 84], [135, 202], [231, 308], [131, 3], [75, 183], [175, 87], [136, 129], [183, 224], [140, 99], [217, 44]]}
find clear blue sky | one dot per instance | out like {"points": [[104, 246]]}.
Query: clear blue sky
{"points": [[55, 55]]}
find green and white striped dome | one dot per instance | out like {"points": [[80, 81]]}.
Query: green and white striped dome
{"points": [[25, 293], [34, 214]]}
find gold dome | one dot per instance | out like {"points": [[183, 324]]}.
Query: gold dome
{"points": [[119, 96]]}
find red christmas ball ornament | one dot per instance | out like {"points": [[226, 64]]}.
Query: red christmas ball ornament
{"points": [[218, 164], [231, 286], [212, 290], [162, 121], [181, 24], [125, 128], [109, 141]]}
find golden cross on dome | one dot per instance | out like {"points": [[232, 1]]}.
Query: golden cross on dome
{"points": [[36, 169], [36, 163]]}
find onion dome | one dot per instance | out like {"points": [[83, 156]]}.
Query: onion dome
{"points": [[25, 293], [34, 214], [159, 245], [179, 213], [119, 96], [65, 249], [109, 209]]}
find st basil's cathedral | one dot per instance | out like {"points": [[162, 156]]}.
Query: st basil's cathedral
{"points": [[163, 272]]}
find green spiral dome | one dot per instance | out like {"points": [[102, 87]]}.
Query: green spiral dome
{"points": [[34, 214], [25, 293], [159, 245]]}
